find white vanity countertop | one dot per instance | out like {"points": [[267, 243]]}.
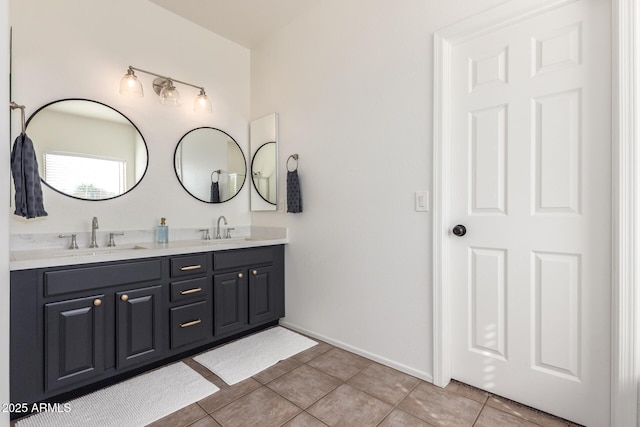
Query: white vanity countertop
{"points": [[52, 257]]}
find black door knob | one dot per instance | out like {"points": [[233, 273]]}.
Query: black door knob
{"points": [[459, 230]]}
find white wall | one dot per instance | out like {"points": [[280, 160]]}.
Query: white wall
{"points": [[4, 214], [352, 82], [81, 48]]}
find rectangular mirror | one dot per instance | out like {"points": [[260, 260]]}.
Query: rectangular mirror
{"points": [[264, 163]]}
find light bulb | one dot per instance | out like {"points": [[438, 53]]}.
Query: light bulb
{"points": [[130, 85], [169, 95], [202, 103]]}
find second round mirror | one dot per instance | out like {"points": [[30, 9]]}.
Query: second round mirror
{"points": [[210, 165]]}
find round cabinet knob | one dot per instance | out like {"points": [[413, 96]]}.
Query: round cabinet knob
{"points": [[459, 230], [255, 272], [97, 302], [240, 275], [124, 297]]}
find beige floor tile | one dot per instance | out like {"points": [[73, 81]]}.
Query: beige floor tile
{"points": [[399, 418], [541, 418], [228, 394], [348, 406], [304, 420], [277, 370], [304, 385], [197, 367], [468, 391], [339, 363], [383, 382], [313, 379], [491, 417], [440, 407], [261, 407], [313, 352], [181, 418], [207, 421], [217, 381]]}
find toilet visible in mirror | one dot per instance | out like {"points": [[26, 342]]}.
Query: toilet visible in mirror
{"points": [[264, 163], [210, 165], [86, 149]]}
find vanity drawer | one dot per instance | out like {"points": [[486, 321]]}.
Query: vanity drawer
{"points": [[242, 257], [189, 289], [190, 323], [88, 278], [186, 265]]}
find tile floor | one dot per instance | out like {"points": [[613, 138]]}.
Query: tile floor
{"points": [[329, 386]]}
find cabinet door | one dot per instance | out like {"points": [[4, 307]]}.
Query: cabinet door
{"points": [[138, 325], [74, 341], [262, 300], [230, 302]]}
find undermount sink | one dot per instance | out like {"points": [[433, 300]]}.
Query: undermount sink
{"points": [[97, 251], [213, 242]]}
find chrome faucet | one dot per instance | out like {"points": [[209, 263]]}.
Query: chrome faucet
{"points": [[205, 235], [94, 227], [218, 226], [112, 241], [74, 242]]}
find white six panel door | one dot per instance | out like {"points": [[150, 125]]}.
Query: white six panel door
{"points": [[531, 182]]}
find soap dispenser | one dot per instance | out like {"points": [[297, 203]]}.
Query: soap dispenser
{"points": [[162, 234]]}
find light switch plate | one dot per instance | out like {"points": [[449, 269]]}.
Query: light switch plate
{"points": [[423, 202]]}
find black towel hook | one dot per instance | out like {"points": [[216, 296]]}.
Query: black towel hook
{"points": [[294, 157], [13, 106], [217, 177]]}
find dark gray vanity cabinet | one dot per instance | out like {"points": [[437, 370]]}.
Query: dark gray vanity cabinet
{"points": [[230, 302], [190, 316], [252, 293], [263, 295], [74, 340], [138, 325], [75, 326]]}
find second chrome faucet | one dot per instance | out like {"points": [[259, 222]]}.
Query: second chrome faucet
{"points": [[218, 226]]}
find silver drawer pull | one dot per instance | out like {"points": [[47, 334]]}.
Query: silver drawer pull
{"points": [[193, 323], [190, 267], [190, 291]]}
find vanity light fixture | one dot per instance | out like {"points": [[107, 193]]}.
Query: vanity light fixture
{"points": [[163, 86]]}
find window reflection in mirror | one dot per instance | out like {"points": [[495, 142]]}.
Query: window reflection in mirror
{"points": [[86, 149], [210, 165]]}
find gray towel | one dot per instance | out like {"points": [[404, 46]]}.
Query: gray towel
{"points": [[215, 192], [24, 168], [294, 196]]}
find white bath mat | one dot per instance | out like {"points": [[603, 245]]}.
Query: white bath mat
{"points": [[246, 357], [134, 402]]}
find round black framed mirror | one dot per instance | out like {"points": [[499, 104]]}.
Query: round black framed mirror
{"points": [[210, 165], [264, 171], [86, 149]]}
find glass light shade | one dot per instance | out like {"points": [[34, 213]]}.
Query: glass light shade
{"points": [[202, 103], [169, 95], [131, 86]]}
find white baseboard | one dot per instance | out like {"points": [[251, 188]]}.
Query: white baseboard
{"points": [[384, 361]]}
